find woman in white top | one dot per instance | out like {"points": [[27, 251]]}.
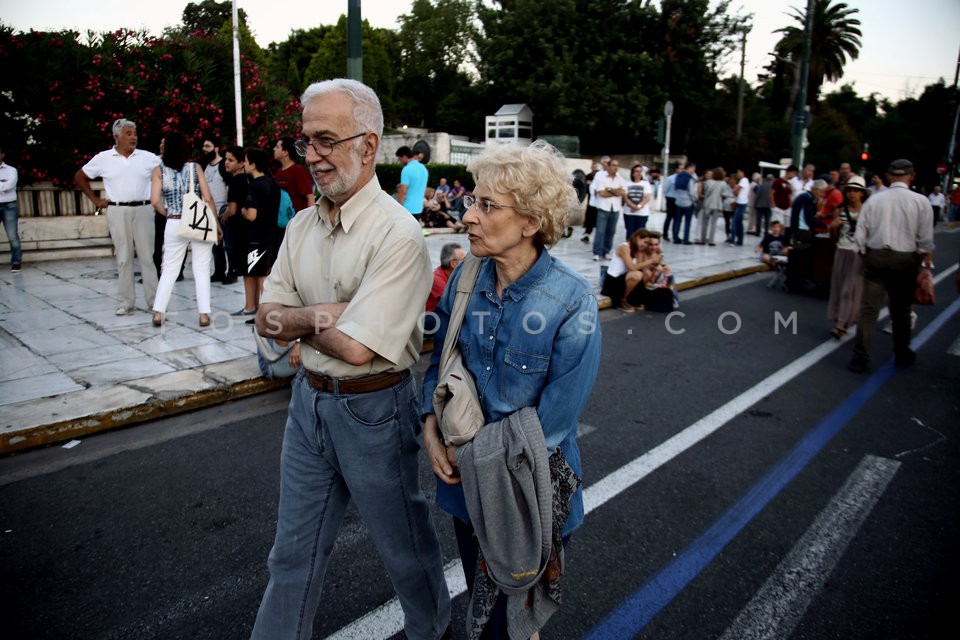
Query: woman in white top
{"points": [[846, 281], [170, 181], [636, 210], [625, 273]]}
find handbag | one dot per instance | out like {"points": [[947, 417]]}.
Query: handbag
{"points": [[286, 211], [273, 359], [455, 399], [924, 293], [196, 219]]}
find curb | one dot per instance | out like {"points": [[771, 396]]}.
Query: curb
{"points": [[45, 435], [604, 302], [56, 432]]}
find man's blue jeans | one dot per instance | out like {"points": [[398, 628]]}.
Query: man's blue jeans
{"points": [[360, 446], [603, 236], [11, 218], [736, 232], [685, 216]]}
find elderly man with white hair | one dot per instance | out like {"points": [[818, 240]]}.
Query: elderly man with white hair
{"points": [[350, 283], [126, 172]]}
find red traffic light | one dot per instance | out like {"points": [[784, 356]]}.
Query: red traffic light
{"points": [[864, 156]]}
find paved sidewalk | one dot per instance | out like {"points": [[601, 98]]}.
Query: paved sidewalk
{"points": [[70, 367]]}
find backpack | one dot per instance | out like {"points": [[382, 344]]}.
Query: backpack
{"points": [[580, 184], [286, 213], [682, 181]]}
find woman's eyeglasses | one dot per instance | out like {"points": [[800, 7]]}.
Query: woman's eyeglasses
{"points": [[485, 205]]}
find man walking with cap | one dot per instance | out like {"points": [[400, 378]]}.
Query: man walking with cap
{"points": [[350, 282], [126, 173], [894, 234]]}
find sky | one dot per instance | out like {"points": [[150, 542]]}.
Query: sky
{"points": [[904, 47]]}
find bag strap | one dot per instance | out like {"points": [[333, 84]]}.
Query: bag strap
{"points": [[469, 272]]}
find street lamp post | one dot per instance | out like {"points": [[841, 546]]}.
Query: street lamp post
{"points": [[668, 113], [236, 76], [354, 41], [800, 118]]}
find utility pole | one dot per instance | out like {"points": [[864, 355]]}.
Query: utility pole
{"points": [[743, 62], [238, 105], [354, 41], [799, 111], [952, 145]]}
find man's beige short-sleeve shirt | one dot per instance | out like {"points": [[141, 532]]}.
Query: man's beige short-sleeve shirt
{"points": [[375, 259]]}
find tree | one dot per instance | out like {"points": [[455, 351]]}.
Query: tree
{"points": [[295, 52], [569, 63], [435, 51], [209, 16], [914, 128], [57, 110], [379, 69], [695, 38], [836, 37]]}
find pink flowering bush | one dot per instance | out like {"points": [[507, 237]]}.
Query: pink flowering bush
{"points": [[57, 108]]}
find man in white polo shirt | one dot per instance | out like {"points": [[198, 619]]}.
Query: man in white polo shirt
{"points": [[126, 171]]}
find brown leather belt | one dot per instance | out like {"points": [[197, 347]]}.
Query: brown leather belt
{"points": [[363, 384]]}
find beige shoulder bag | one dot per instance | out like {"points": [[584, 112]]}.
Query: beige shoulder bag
{"points": [[455, 399]]}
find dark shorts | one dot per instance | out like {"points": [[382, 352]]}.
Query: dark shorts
{"points": [[259, 259], [435, 219], [614, 286]]}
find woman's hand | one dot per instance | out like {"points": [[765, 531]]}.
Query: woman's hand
{"points": [[294, 358], [438, 453]]}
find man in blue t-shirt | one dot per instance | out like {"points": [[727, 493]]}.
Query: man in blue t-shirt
{"points": [[413, 181]]}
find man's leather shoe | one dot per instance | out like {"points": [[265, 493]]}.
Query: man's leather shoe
{"points": [[905, 360], [858, 365]]}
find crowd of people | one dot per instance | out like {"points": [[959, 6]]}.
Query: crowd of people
{"points": [[808, 224], [243, 190]]}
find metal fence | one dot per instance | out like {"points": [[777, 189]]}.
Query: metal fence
{"points": [[461, 151]]}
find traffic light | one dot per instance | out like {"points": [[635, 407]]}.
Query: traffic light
{"points": [[660, 130], [865, 152]]}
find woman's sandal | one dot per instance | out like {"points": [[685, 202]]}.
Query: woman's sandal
{"points": [[204, 320], [157, 318], [838, 332]]}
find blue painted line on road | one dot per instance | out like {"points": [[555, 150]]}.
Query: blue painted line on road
{"points": [[638, 610]]}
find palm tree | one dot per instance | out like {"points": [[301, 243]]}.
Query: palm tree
{"points": [[836, 37]]}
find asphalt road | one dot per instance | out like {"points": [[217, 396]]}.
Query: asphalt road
{"points": [[740, 484]]}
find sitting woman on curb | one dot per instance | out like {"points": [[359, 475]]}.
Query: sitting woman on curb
{"points": [[171, 179], [659, 289], [626, 272]]}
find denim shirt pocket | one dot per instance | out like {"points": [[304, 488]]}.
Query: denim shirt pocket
{"points": [[523, 378]]}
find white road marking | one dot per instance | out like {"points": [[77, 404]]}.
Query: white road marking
{"points": [[954, 349], [387, 619], [778, 606], [625, 477]]}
